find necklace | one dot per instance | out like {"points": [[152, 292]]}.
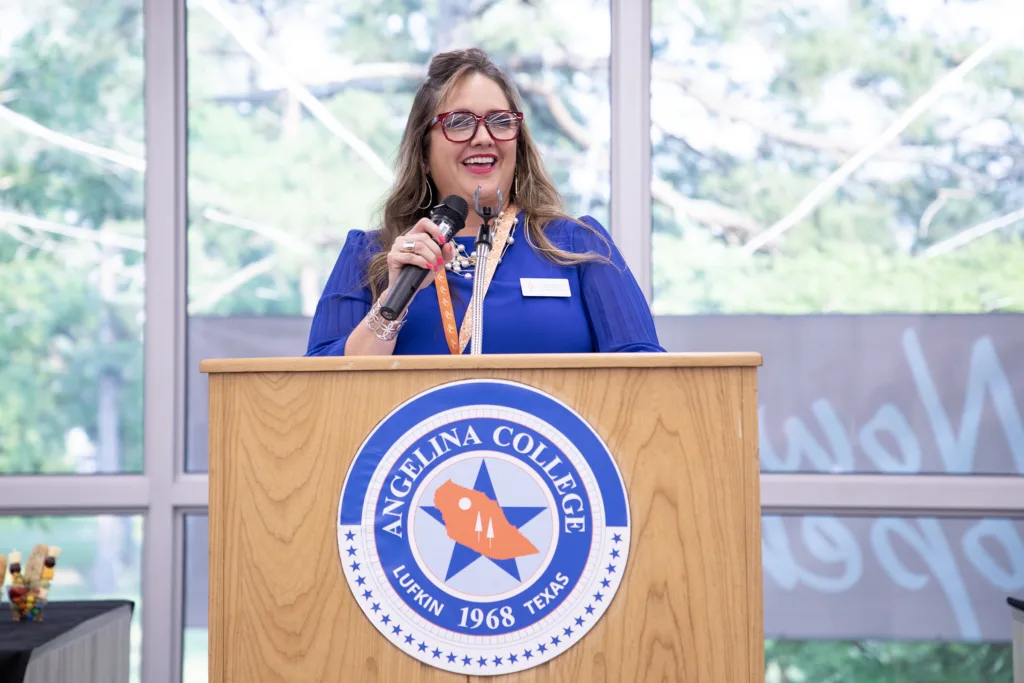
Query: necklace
{"points": [[464, 265]]}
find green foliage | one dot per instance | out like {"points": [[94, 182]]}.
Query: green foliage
{"points": [[71, 309], [813, 84], [846, 277], [889, 662], [51, 366]]}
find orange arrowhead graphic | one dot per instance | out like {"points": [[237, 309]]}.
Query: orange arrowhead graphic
{"points": [[477, 522]]}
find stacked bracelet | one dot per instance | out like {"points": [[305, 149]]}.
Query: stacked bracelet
{"points": [[385, 330]]}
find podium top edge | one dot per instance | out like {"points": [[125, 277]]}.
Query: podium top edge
{"points": [[487, 362]]}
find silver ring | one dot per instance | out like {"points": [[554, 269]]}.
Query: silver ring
{"points": [[408, 245]]}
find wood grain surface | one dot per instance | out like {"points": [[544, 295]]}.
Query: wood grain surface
{"points": [[685, 439], [488, 362]]}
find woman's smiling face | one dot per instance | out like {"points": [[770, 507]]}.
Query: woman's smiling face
{"points": [[481, 161]]}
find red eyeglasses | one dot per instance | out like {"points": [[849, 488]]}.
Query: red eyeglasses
{"points": [[461, 126]]}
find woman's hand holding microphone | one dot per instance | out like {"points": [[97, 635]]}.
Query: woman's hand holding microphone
{"points": [[422, 246]]}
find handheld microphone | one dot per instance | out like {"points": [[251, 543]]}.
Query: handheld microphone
{"points": [[450, 216]]}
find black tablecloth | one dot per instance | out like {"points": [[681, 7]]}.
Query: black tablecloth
{"points": [[19, 638]]}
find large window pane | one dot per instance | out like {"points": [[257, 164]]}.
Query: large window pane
{"points": [[194, 666], [889, 578], [72, 155], [890, 600], [819, 157], [101, 559], [275, 184]]}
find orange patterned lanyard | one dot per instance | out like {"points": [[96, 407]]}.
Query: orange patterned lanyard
{"points": [[457, 342]]}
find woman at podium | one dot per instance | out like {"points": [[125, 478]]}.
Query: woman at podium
{"points": [[554, 284]]}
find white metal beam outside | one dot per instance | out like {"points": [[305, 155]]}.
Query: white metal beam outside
{"points": [[166, 114], [631, 136]]}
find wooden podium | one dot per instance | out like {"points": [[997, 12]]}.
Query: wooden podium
{"points": [[682, 428]]}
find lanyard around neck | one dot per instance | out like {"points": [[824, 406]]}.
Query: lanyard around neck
{"points": [[457, 342]]}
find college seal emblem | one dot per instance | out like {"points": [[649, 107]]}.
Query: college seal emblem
{"points": [[483, 527]]}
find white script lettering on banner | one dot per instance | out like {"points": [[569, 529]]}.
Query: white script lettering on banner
{"points": [[947, 570], [987, 379]]}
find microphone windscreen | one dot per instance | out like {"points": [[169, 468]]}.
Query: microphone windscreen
{"points": [[454, 208]]}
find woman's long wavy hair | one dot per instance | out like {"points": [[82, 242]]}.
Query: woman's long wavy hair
{"points": [[533, 191]]}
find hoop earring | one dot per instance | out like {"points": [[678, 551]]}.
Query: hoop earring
{"points": [[430, 197], [515, 185]]}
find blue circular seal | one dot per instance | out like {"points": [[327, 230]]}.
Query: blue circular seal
{"points": [[484, 527]]}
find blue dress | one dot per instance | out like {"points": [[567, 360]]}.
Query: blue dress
{"points": [[606, 311]]}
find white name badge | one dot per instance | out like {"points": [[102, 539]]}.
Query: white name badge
{"points": [[538, 286]]}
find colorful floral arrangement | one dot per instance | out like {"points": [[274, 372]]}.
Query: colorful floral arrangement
{"points": [[30, 588]]}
